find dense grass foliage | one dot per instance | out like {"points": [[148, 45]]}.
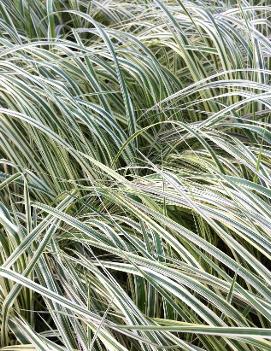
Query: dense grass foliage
{"points": [[135, 179]]}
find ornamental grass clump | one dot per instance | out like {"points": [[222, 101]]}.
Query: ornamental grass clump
{"points": [[135, 175]]}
